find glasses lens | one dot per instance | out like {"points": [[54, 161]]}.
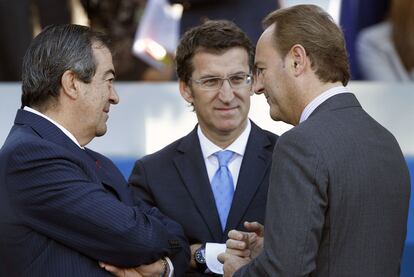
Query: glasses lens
{"points": [[210, 83], [240, 80]]}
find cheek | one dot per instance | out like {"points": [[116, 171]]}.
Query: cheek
{"points": [[205, 102]]}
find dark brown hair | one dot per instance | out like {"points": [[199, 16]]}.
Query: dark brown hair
{"points": [[215, 36], [314, 29]]}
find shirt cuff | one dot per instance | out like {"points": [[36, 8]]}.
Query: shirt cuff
{"points": [[170, 265], [212, 251]]}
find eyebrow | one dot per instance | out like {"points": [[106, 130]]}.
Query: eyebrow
{"points": [[215, 76], [108, 72], [256, 64]]}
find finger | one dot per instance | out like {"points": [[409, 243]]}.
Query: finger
{"points": [[236, 235], [113, 269], [240, 253], [236, 244], [222, 257], [247, 240]]}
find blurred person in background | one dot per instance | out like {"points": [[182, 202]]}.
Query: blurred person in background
{"points": [[385, 51], [18, 21], [119, 20], [216, 177]]}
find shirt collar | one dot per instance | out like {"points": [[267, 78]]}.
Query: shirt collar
{"points": [[320, 99], [208, 148], [63, 129]]}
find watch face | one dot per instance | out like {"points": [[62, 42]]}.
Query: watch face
{"points": [[200, 255]]}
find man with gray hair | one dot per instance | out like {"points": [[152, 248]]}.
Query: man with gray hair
{"points": [[64, 207]]}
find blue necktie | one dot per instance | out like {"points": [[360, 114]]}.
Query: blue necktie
{"points": [[222, 185]]}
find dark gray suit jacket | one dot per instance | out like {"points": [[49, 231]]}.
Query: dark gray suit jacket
{"points": [[338, 198], [175, 180]]}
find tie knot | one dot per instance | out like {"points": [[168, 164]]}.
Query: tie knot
{"points": [[224, 157]]}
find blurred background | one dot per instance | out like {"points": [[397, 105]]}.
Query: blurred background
{"points": [[151, 114]]}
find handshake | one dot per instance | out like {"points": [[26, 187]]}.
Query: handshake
{"points": [[242, 247]]}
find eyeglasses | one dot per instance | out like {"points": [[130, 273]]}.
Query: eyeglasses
{"points": [[236, 81]]}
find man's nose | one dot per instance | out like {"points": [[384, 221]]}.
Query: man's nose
{"points": [[114, 98], [258, 86], [226, 92]]}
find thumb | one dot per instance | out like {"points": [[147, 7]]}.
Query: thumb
{"points": [[255, 227], [110, 268], [222, 257]]}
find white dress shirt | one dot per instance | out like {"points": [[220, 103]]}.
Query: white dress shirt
{"points": [[63, 129], [319, 100], [208, 148]]}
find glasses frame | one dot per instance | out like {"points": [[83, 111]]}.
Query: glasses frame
{"points": [[248, 81]]}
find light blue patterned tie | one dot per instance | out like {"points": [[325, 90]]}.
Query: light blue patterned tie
{"points": [[222, 185]]}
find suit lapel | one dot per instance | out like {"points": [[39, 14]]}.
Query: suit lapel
{"points": [[112, 182], [48, 131], [256, 160], [191, 167]]}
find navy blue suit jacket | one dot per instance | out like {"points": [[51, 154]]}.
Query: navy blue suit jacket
{"points": [[63, 209], [175, 180]]}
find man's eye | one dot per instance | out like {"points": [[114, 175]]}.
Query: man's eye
{"points": [[210, 82], [237, 79], [259, 71]]}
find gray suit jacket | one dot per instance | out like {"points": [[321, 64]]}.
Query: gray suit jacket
{"points": [[338, 198]]}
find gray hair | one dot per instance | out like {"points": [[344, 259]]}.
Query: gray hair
{"points": [[56, 49]]}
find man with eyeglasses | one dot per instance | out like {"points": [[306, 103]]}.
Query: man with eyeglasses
{"points": [[184, 180]]}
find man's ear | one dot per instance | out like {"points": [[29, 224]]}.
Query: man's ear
{"points": [[298, 59], [70, 84], [186, 92]]}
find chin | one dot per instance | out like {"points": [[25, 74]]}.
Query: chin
{"points": [[229, 126], [274, 116], [100, 132]]}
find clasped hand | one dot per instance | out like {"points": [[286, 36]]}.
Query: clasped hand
{"points": [[242, 247], [155, 269]]}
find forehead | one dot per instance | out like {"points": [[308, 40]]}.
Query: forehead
{"points": [[229, 61], [266, 46], [103, 57]]}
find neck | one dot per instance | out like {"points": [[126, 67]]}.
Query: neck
{"points": [[65, 119], [310, 93], [224, 139]]}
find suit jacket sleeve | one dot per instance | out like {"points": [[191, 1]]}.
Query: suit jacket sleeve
{"points": [[54, 196], [295, 212], [139, 183], [141, 188]]}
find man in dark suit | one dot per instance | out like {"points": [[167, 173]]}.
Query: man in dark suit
{"points": [[214, 63], [63, 207], [339, 192]]}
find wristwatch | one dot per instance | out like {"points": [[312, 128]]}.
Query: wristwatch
{"points": [[200, 258]]}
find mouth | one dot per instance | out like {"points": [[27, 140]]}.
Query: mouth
{"points": [[106, 112], [226, 109]]}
